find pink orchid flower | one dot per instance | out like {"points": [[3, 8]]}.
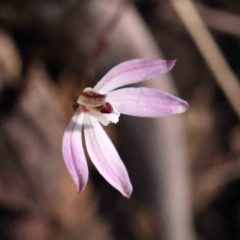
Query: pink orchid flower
{"points": [[102, 104]]}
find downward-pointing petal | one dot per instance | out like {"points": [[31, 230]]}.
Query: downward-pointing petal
{"points": [[105, 157], [133, 71], [146, 102], [73, 153]]}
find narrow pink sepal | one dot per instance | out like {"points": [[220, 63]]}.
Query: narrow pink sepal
{"points": [[105, 157], [133, 71], [146, 102], [73, 152]]}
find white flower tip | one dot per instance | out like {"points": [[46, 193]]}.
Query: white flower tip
{"points": [[113, 117]]}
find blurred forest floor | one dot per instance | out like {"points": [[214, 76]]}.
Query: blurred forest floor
{"points": [[45, 49]]}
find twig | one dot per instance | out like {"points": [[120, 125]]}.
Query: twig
{"points": [[211, 183], [196, 27], [220, 20]]}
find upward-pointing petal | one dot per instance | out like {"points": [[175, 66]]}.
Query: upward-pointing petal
{"points": [[73, 153], [105, 157], [133, 71]]}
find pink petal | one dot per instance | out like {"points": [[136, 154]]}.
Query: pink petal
{"points": [[73, 153], [105, 157], [133, 71], [146, 102]]}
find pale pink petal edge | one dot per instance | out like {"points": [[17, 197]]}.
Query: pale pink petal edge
{"points": [[73, 152], [146, 102], [105, 157], [133, 71]]}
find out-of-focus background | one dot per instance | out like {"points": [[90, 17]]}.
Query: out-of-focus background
{"points": [[185, 169]]}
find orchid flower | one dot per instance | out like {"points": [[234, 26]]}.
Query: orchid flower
{"points": [[104, 104]]}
